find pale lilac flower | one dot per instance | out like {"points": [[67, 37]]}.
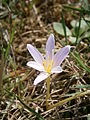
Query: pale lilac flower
{"points": [[51, 63]]}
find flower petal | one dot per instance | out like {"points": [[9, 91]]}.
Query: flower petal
{"points": [[57, 69], [61, 55], [50, 46], [35, 54], [42, 76], [35, 65]]}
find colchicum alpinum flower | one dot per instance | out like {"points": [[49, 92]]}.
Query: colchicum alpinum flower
{"points": [[51, 63]]}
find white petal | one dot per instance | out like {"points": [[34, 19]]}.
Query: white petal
{"points": [[61, 55], [42, 76], [35, 54], [50, 46], [57, 69], [35, 65]]}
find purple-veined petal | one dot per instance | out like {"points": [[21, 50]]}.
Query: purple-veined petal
{"points": [[35, 54], [42, 76], [57, 69], [61, 55], [35, 65], [50, 46]]}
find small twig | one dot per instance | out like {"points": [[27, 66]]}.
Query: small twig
{"points": [[38, 16]]}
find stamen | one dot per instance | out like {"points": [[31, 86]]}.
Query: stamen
{"points": [[48, 66]]}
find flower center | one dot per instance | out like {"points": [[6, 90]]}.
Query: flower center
{"points": [[48, 66]]}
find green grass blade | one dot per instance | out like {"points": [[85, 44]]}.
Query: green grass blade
{"points": [[77, 36], [39, 117], [10, 42], [82, 86], [77, 57], [31, 110], [64, 27], [1, 74], [76, 9]]}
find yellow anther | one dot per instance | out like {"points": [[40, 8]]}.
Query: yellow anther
{"points": [[51, 62], [48, 66]]}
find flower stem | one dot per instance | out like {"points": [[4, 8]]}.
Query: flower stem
{"points": [[48, 90]]}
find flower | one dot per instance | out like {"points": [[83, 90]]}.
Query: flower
{"points": [[51, 63]]}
